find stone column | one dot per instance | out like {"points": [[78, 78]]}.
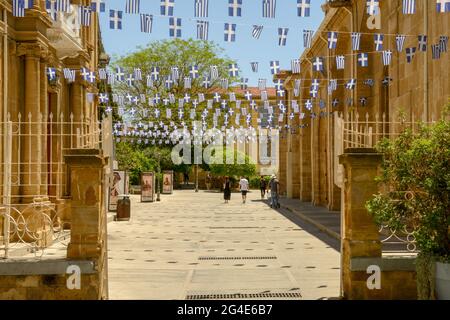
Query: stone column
{"points": [[31, 144], [88, 228], [360, 235]]}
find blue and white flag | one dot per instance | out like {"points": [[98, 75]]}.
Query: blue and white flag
{"points": [[146, 23], [244, 86], [269, 7], [132, 6], [84, 15], [18, 8], [369, 82], [436, 51], [224, 83], [387, 57], [409, 6], [235, 8], [255, 66], [187, 83], [262, 84], [193, 72], [443, 43], [282, 36], [423, 43], [115, 19], [373, 7], [257, 30], [318, 64], [50, 7], [410, 53], [335, 103], [175, 27], [167, 7], [120, 74], [314, 92], [351, 84], [69, 75], [278, 84], [130, 80], [379, 39], [332, 40], [155, 73], [307, 38], [230, 32], [443, 6], [295, 66], [102, 74], [340, 62], [363, 59], [63, 6], [333, 85], [274, 67], [51, 74], [202, 30], [304, 8], [175, 73], [233, 70], [201, 8], [400, 42], [214, 72], [98, 6], [137, 73], [356, 41]]}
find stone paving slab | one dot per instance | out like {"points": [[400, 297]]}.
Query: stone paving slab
{"points": [[192, 245]]}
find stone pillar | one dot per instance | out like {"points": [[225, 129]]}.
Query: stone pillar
{"points": [[88, 228], [360, 235]]}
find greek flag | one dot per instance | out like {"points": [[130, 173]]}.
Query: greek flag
{"points": [[297, 84], [356, 41], [269, 7], [400, 42], [146, 23], [257, 30], [244, 85], [332, 40], [230, 32], [115, 20], [410, 52], [423, 43], [69, 74], [436, 51], [307, 38], [373, 7], [318, 64], [254, 66], [62, 5], [303, 8], [175, 27], [379, 38], [201, 8], [18, 7], [84, 15], [98, 6], [102, 75], [137, 74], [351, 84], [233, 70], [340, 62], [262, 84], [50, 7], [175, 73], [295, 66], [132, 6], [363, 59], [274, 67], [443, 6], [387, 57], [443, 43], [187, 83], [333, 85], [214, 72], [235, 8], [409, 6], [282, 36], [202, 30], [167, 7]]}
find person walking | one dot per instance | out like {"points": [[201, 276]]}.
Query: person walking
{"points": [[274, 185], [227, 190], [208, 181], [186, 178], [243, 186], [263, 187]]}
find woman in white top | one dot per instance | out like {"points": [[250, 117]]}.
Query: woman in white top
{"points": [[243, 185]]}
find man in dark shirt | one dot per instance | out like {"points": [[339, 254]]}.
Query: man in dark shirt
{"points": [[274, 186]]}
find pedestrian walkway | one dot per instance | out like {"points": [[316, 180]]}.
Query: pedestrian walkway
{"points": [[193, 246], [325, 220]]}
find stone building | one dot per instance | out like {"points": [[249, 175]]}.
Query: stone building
{"points": [[46, 122], [309, 168]]}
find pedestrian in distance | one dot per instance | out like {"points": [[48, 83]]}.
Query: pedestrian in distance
{"points": [[227, 190], [263, 187], [244, 186], [274, 186]]}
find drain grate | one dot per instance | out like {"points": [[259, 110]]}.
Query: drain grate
{"points": [[238, 258], [233, 296]]}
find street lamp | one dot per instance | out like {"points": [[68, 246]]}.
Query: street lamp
{"points": [[196, 178]]}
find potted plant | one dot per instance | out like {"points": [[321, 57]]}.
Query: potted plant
{"points": [[415, 176]]}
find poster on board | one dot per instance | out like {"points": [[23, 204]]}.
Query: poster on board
{"points": [[167, 182], [117, 189], [147, 187]]}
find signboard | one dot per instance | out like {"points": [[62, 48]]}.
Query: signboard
{"points": [[167, 182], [118, 188], [147, 187]]}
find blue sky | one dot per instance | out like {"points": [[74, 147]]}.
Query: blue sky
{"points": [[245, 50]]}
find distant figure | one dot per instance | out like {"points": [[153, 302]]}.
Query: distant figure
{"points": [[243, 186], [227, 190], [186, 178], [208, 181], [274, 185], [263, 187]]}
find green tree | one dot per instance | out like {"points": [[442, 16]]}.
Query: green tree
{"points": [[235, 169]]}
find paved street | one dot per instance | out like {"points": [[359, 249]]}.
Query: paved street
{"points": [[192, 245]]}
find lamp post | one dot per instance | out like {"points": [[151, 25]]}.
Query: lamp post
{"points": [[196, 178]]}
